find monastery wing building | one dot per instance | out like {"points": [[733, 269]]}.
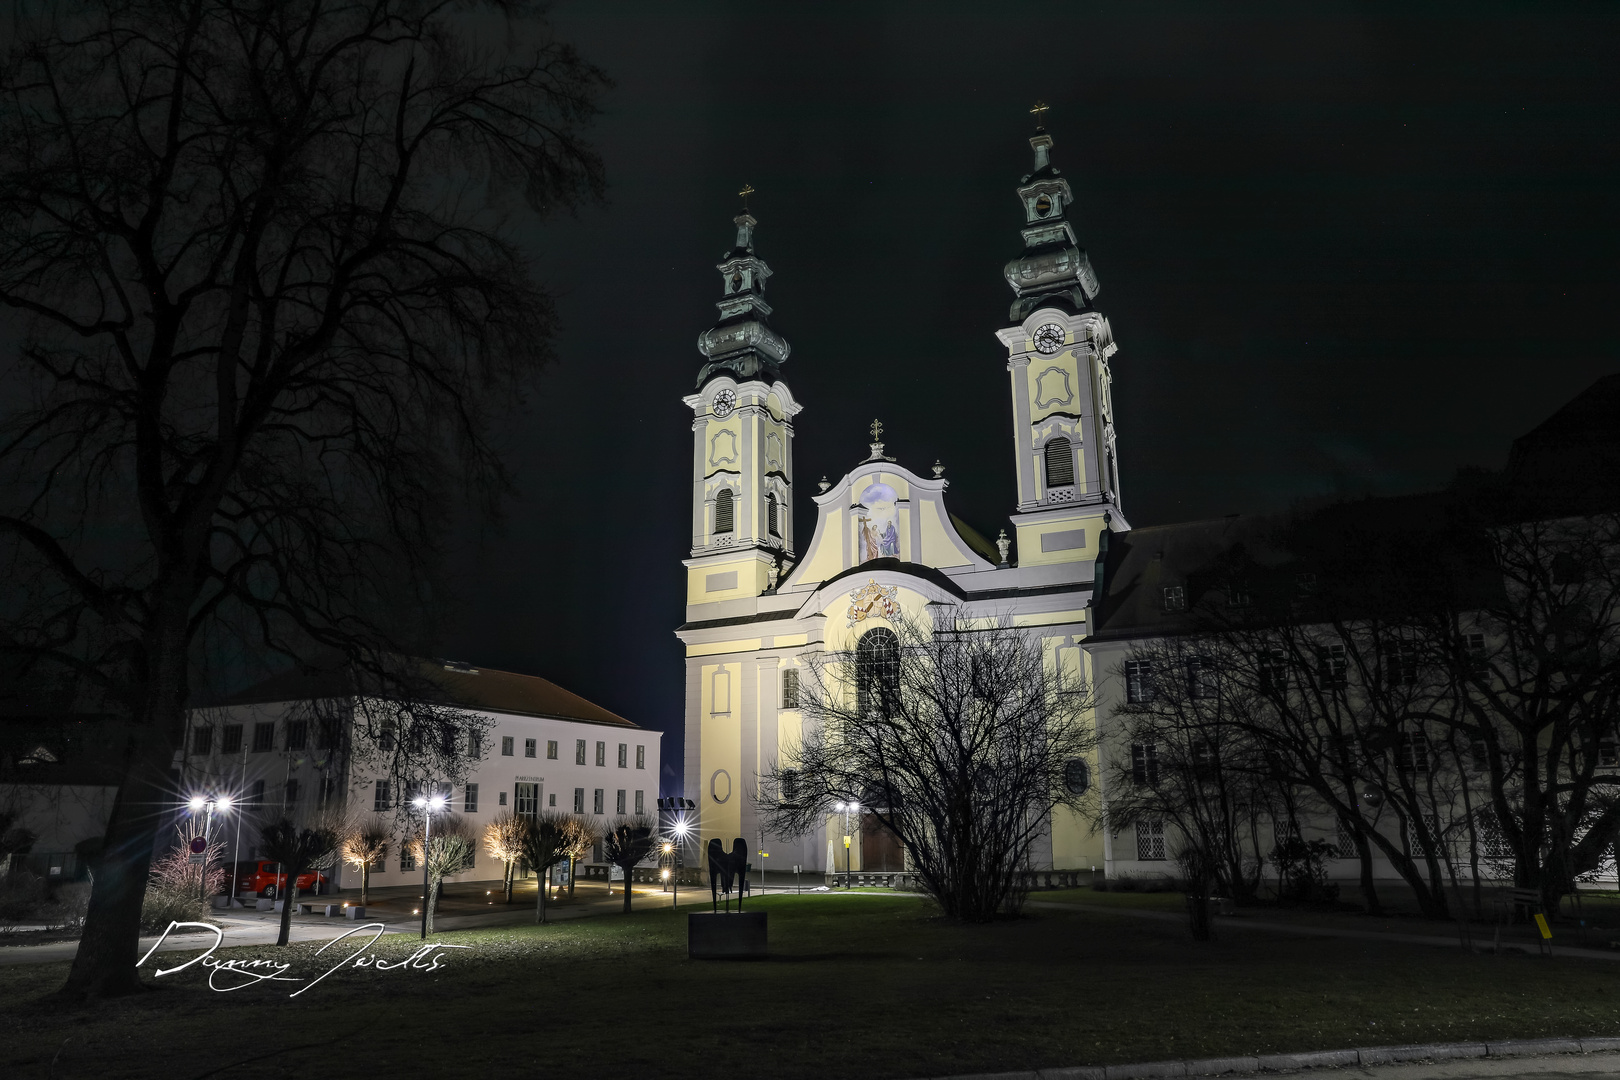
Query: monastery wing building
{"points": [[884, 543]]}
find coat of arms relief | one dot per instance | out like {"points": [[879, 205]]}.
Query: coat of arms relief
{"points": [[873, 601]]}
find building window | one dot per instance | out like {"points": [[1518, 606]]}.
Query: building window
{"points": [[506, 746], [407, 857], [1201, 682], [1305, 583], [579, 751], [1059, 463], [877, 670], [531, 747], [469, 805], [264, 737], [326, 735], [641, 802], [1239, 596], [551, 749], [722, 511], [231, 739], [1150, 840], [1344, 841], [596, 801], [641, 757], [1474, 646], [1332, 667], [475, 744], [790, 689], [447, 742], [551, 800], [202, 739], [526, 800], [579, 800], [291, 798], [469, 860], [790, 787], [771, 522], [1175, 598], [618, 802], [1144, 763], [1138, 681], [256, 793], [1413, 752], [297, 734], [380, 793], [601, 755], [1271, 666], [1403, 662], [624, 756]]}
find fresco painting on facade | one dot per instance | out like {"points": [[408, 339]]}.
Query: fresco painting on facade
{"points": [[879, 533]]}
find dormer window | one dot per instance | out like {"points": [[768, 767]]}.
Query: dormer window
{"points": [[1043, 206], [723, 514]]}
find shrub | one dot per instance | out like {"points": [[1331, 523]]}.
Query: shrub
{"points": [[23, 899], [163, 904], [1301, 873]]}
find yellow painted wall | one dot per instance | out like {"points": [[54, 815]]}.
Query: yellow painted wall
{"points": [[1029, 540], [721, 749], [717, 647], [751, 572], [1078, 389]]}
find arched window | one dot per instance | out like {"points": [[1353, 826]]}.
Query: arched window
{"points": [[877, 670], [770, 515], [723, 511], [1059, 463]]}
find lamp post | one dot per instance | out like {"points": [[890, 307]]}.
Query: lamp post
{"points": [[223, 804], [683, 829], [429, 805], [847, 808]]}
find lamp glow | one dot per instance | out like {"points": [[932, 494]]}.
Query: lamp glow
{"points": [[224, 802], [197, 802]]}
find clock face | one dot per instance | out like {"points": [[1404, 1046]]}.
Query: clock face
{"points": [[724, 402], [1049, 338]]}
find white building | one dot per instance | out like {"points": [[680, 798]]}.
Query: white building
{"points": [[544, 748]]}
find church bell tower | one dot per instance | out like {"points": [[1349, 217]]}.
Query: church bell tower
{"points": [[1058, 349], [742, 439]]}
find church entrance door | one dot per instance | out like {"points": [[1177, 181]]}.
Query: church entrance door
{"points": [[880, 849]]}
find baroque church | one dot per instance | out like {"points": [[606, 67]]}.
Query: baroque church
{"points": [[884, 544]]}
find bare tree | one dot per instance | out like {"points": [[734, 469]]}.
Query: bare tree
{"points": [[268, 315], [580, 836], [449, 850], [503, 839], [961, 742], [299, 848], [365, 846], [544, 842], [626, 842]]}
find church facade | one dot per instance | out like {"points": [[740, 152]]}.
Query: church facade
{"points": [[884, 544]]}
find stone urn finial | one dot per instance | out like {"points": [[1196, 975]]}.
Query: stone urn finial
{"points": [[1003, 545]]}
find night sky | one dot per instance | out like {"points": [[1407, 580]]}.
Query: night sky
{"points": [[1342, 252]]}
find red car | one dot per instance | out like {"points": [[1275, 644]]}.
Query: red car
{"points": [[260, 878]]}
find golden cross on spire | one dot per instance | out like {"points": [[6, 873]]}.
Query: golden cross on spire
{"points": [[877, 430], [747, 190], [1039, 113]]}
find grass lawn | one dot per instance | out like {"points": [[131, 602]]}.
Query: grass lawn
{"points": [[857, 986]]}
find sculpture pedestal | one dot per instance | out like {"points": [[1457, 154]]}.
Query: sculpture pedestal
{"points": [[734, 936]]}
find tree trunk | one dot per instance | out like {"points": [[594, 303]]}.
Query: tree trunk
{"points": [[571, 877], [626, 884], [104, 965], [365, 882], [432, 902], [540, 897], [506, 881], [289, 900]]}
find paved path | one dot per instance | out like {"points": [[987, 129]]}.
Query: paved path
{"points": [[1243, 922]]}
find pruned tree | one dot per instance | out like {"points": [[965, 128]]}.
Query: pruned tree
{"points": [[544, 843], [365, 847], [258, 263], [449, 850], [503, 839], [960, 741], [581, 836], [626, 842], [299, 848]]}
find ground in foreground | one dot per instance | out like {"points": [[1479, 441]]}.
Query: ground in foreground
{"points": [[857, 986]]}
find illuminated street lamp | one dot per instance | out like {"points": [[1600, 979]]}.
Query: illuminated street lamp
{"points": [[222, 803], [847, 808], [429, 805]]}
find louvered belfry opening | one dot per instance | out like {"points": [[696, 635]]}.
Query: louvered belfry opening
{"points": [[1059, 463], [723, 512], [770, 515]]}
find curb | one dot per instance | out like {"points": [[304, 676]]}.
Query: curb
{"points": [[1319, 1059]]}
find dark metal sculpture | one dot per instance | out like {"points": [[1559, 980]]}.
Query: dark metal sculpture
{"points": [[725, 868]]}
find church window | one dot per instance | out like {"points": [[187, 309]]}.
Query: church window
{"points": [[579, 752], [1043, 206], [790, 689], [723, 511], [1150, 839], [1138, 681], [506, 746], [771, 515], [877, 670], [1059, 463]]}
